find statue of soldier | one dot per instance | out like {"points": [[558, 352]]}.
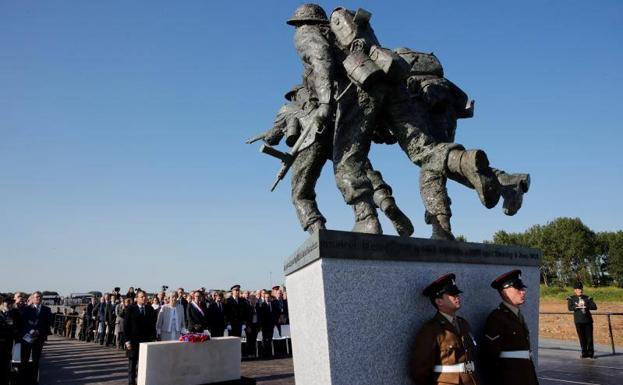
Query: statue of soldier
{"points": [[380, 90], [444, 104], [313, 154]]}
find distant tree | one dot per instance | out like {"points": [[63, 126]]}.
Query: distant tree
{"points": [[611, 250], [461, 238], [570, 249]]}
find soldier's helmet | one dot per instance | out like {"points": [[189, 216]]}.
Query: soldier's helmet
{"points": [[308, 14]]}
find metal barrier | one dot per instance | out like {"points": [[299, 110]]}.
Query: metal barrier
{"points": [[608, 314]]}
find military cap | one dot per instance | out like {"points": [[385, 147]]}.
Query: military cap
{"points": [[235, 287], [442, 285], [289, 95], [510, 279], [578, 285], [276, 287]]}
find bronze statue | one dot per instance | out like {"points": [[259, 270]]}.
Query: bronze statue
{"points": [[356, 92]]}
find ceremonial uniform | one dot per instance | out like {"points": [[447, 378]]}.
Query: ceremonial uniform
{"points": [[444, 355], [581, 306], [506, 354], [444, 350]]}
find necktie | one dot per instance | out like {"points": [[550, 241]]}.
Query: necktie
{"points": [[142, 310], [455, 323]]}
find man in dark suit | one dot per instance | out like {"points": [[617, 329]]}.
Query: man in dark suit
{"points": [[280, 308], [237, 312], [197, 313], [111, 318], [216, 316], [266, 318], [139, 325], [90, 320], [36, 325]]}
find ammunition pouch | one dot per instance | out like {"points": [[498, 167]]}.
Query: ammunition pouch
{"points": [[362, 70]]}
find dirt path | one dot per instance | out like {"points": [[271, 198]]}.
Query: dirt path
{"points": [[562, 326]]}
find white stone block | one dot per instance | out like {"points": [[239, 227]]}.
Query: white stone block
{"points": [[186, 363]]}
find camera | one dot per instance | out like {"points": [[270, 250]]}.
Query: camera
{"points": [[117, 289], [164, 287]]}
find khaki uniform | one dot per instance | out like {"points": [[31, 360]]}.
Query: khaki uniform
{"points": [[438, 347], [505, 335]]}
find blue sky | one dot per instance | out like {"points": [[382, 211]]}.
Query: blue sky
{"points": [[122, 128]]}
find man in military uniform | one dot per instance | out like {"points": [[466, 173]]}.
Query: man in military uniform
{"points": [[444, 103], [507, 358], [237, 313], [381, 93], [444, 349], [291, 120], [581, 306]]}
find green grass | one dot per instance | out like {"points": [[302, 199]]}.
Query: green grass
{"points": [[599, 294]]}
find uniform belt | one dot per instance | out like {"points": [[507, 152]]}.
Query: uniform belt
{"points": [[463, 367], [524, 354]]}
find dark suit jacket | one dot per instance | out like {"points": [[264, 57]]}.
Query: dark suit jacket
{"points": [[216, 317], [41, 323], [138, 327], [197, 322], [266, 316], [237, 312], [581, 316]]}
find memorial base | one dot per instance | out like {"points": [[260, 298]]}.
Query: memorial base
{"points": [[355, 300], [216, 361]]}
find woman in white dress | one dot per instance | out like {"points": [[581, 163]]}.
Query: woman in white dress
{"points": [[171, 319]]}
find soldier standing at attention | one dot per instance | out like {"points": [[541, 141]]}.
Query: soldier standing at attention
{"points": [[444, 347], [506, 347], [581, 306]]}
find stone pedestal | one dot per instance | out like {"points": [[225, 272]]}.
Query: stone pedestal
{"points": [[186, 363], [355, 300]]}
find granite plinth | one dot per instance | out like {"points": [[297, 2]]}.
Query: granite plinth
{"points": [[185, 363], [355, 300]]}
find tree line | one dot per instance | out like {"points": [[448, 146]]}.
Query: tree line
{"points": [[572, 251]]}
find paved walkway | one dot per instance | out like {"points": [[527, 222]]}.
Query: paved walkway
{"points": [[74, 362]]}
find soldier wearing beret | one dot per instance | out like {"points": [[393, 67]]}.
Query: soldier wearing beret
{"points": [[444, 348], [581, 306], [507, 358]]}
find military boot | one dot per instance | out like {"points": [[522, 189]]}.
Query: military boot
{"points": [[514, 186], [366, 219], [473, 165], [387, 204], [441, 227]]}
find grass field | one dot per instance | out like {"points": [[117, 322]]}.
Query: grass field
{"points": [[599, 294]]}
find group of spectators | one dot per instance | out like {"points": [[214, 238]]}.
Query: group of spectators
{"points": [[124, 321], [235, 312]]}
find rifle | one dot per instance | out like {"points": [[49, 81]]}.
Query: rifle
{"points": [[255, 138], [287, 158]]}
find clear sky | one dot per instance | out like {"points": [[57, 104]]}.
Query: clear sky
{"points": [[122, 128]]}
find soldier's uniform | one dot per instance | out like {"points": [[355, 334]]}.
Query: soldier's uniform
{"points": [[292, 119], [506, 353], [444, 103], [581, 306], [444, 352]]}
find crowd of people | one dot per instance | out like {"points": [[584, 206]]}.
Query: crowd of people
{"points": [[124, 321]]}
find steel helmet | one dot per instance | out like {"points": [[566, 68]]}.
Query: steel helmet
{"points": [[308, 14]]}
